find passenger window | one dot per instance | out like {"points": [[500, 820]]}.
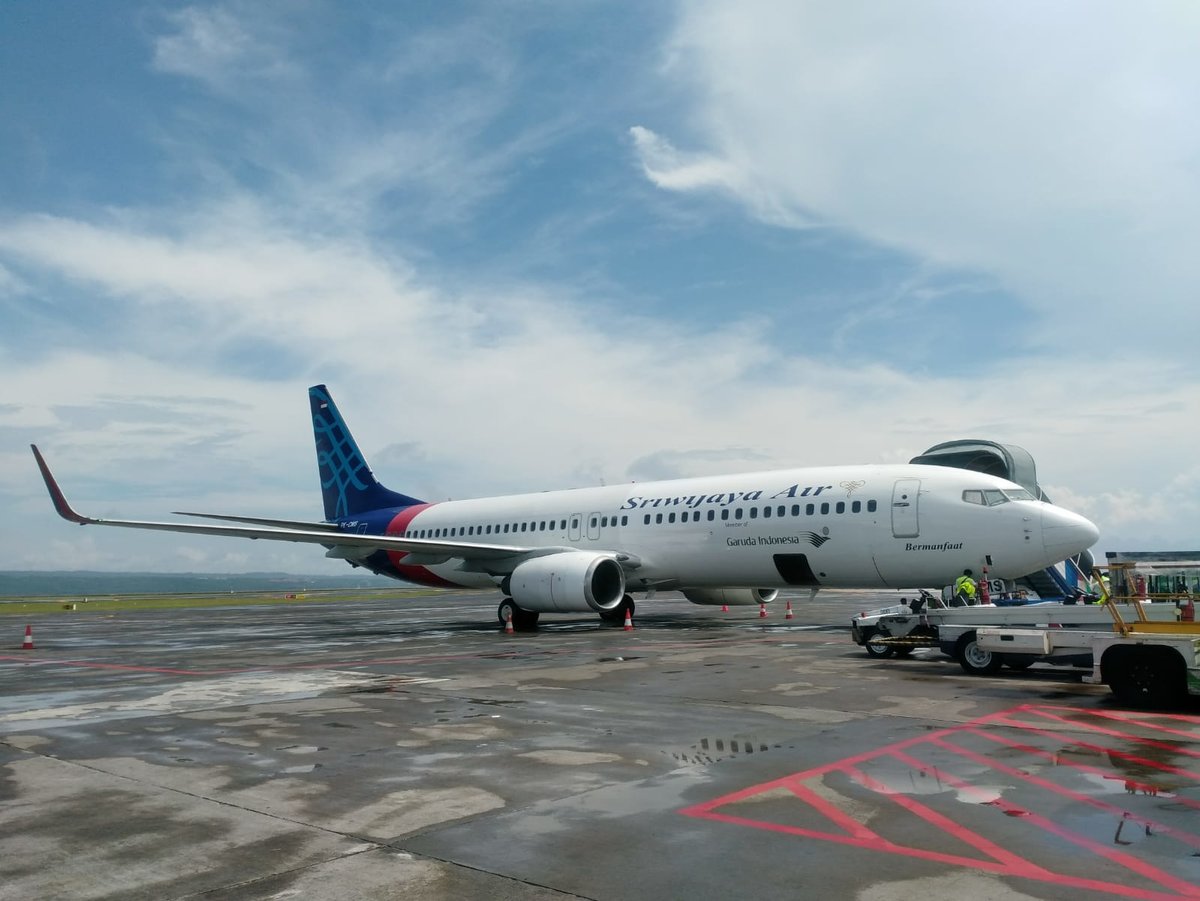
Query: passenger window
{"points": [[624, 520], [824, 509], [872, 506], [604, 522], [782, 510], [856, 507], [592, 522], [725, 513], [658, 519], [973, 496], [647, 520], [810, 509], [737, 514], [754, 512], [670, 517], [841, 507]]}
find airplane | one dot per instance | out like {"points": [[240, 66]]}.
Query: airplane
{"points": [[726, 539]]}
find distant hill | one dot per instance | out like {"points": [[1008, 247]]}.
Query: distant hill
{"points": [[81, 583]]}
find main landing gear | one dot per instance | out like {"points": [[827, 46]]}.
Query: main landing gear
{"points": [[522, 620], [616, 616], [527, 620]]}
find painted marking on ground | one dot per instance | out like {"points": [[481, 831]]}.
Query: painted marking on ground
{"points": [[1070, 776]]}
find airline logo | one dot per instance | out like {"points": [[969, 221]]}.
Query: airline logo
{"points": [[770, 540], [725, 499]]}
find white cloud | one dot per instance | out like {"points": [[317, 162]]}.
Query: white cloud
{"points": [[1053, 147], [455, 386], [216, 46], [668, 168]]}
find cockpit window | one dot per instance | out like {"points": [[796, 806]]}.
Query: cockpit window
{"points": [[991, 497]]}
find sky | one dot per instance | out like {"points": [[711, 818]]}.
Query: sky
{"points": [[532, 245]]}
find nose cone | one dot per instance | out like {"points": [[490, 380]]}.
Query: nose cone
{"points": [[1065, 534]]}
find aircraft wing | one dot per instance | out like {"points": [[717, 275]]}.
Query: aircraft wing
{"points": [[424, 551], [302, 525]]}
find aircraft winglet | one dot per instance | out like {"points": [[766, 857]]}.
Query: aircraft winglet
{"points": [[56, 495]]}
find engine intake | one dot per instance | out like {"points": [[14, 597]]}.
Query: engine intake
{"points": [[567, 582], [734, 597]]}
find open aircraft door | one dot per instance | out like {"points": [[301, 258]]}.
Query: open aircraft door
{"points": [[905, 495]]}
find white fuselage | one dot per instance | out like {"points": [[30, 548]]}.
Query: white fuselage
{"points": [[867, 526]]}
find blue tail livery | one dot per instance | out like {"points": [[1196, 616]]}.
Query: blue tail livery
{"points": [[348, 487]]}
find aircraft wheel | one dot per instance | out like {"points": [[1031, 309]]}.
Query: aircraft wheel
{"points": [[974, 660], [526, 620], [522, 620], [508, 607], [616, 616]]}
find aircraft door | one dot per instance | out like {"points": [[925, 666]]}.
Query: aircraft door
{"points": [[593, 530], [904, 508], [576, 530]]}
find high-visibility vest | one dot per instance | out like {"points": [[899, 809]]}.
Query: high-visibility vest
{"points": [[965, 585]]}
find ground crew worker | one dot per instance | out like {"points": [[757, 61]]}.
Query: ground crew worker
{"points": [[964, 589]]}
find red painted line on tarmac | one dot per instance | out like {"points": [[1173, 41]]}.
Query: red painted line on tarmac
{"points": [[1112, 752], [1082, 767], [1010, 862], [833, 813], [1150, 742], [1131, 719], [846, 830], [1186, 838], [1153, 873]]}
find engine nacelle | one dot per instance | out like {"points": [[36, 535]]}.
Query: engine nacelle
{"points": [[734, 597], [570, 581]]}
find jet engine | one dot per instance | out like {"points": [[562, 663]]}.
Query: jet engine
{"points": [[570, 581], [734, 597]]}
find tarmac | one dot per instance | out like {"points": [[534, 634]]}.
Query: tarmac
{"points": [[388, 748]]}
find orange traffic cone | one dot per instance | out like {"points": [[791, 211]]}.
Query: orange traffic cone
{"points": [[762, 611], [508, 626], [628, 620], [788, 615], [28, 644]]}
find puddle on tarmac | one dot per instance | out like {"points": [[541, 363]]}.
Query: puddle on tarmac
{"points": [[712, 750]]}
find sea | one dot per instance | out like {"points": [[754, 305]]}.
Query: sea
{"points": [[84, 583]]}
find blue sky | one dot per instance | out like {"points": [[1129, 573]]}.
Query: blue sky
{"points": [[535, 245]]}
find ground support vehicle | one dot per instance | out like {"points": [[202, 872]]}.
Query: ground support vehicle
{"points": [[926, 622], [1144, 663], [962, 639]]}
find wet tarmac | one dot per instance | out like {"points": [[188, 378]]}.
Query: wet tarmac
{"points": [[385, 749]]}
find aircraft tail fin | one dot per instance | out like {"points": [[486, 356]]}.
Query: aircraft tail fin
{"points": [[348, 487]]}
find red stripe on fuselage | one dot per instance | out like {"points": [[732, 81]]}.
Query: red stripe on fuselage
{"points": [[419, 574]]}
